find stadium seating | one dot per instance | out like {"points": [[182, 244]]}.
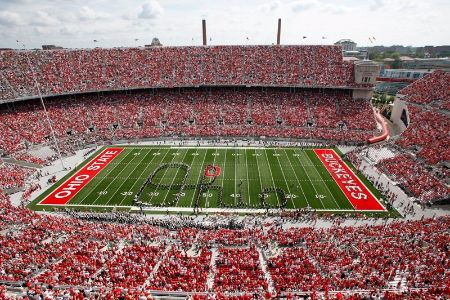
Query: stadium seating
{"points": [[75, 71], [181, 271], [332, 115], [239, 270], [292, 270], [66, 257], [13, 176], [427, 134], [46, 252], [416, 180], [24, 156], [432, 87]]}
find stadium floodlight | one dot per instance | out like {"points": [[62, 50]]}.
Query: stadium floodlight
{"points": [[36, 85]]}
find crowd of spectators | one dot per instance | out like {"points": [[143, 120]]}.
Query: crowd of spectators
{"points": [[183, 271], [59, 255], [74, 71], [414, 178], [427, 134], [239, 270], [13, 176], [431, 88], [85, 119], [25, 156], [428, 105]]}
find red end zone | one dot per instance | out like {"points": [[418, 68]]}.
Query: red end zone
{"points": [[74, 184], [355, 191]]}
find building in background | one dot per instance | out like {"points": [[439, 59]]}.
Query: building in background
{"points": [[427, 64], [391, 81], [349, 49]]}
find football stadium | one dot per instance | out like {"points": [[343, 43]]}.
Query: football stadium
{"points": [[214, 177], [210, 171]]}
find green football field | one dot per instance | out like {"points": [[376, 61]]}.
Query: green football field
{"points": [[242, 177]]}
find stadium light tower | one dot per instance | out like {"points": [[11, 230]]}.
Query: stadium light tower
{"points": [[36, 85], [204, 31], [279, 32]]}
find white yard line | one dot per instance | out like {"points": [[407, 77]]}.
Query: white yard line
{"points": [[136, 181], [235, 172], [207, 194], [192, 164], [123, 182], [173, 180], [296, 177], [329, 191], [284, 177], [248, 181], [271, 176], [165, 171], [306, 172], [224, 168], [198, 178], [259, 173]]}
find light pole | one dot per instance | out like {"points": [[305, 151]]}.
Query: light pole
{"points": [[36, 84]]}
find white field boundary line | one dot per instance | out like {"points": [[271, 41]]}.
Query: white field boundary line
{"points": [[320, 176], [359, 180], [128, 177], [175, 176], [219, 147], [271, 176], [145, 169], [163, 210], [198, 177], [307, 175], [59, 184], [109, 184]]}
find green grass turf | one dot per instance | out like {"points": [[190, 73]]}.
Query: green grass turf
{"points": [[245, 172]]}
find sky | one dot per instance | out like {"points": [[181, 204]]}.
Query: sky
{"points": [[117, 23]]}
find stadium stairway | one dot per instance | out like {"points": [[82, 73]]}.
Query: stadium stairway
{"points": [[212, 269], [262, 261], [155, 269], [22, 163], [120, 246], [399, 280], [316, 264]]}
